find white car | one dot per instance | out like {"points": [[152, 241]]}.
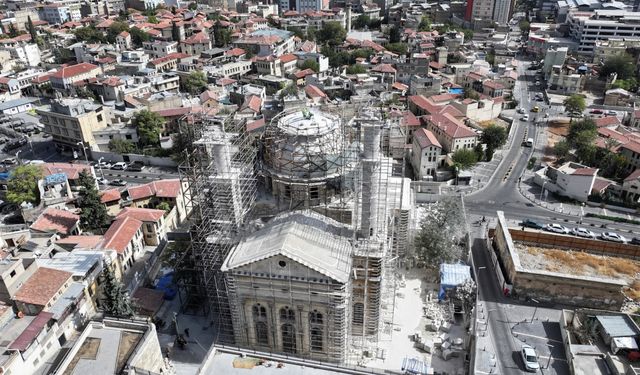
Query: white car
{"points": [[103, 164], [583, 232], [556, 228], [121, 166], [613, 237], [103, 181], [525, 117], [530, 358], [520, 110]]}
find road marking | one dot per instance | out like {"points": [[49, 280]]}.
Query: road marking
{"points": [[538, 337]]}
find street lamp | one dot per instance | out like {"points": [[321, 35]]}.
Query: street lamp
{"points": [[100, 166], [18, 157], [542, 192], [581, 212], [84, 150], [550, 355]]}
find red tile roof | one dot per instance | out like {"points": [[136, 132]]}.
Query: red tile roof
{"points": [[632, 146], [71, 170], [410, 119], [384, 68], [225, 81], [56, 220], [173, 112], [304, 73], [493, 84], [607, 121], [42, 286], [111, 195], [426, 138], [197, 38], [254, 103], [160, 189], [584, 172], [120, 233], [32, 331], [86, 242], [599, 185], [314, 92], [400, 86], [74, 70], [235, 52], [255, 125], [172, 56], [142, 214], [451, 126], [289, 57], [633, 176]]}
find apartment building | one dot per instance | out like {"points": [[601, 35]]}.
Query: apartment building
{"points": [[58, 13], [588, 27], [66, 77], [610, 47]]}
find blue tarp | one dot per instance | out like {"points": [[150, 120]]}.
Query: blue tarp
{"points": [[165, 283], [414, 366], [452, 275], [457, 91]]}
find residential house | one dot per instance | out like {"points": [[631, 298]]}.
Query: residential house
{"points": [[14, 272], [631, 187], [125, 236], [158, 48], [451, 133], [123, 41], [54, 220], [316, 95], [155, 226], [151, 194], [42, 290], [111, 199], [195, 44], [425, 154], [571, 180], [65, 78], [618, 97]]}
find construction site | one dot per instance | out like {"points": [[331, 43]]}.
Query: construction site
{"points": [[297, 235]]}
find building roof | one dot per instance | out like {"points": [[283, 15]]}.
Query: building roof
{"points": [[255, 125], [599, 185], [425, 138], [399, 86], [77, 264], [87, 242], [120, 233], [74, 70], [384, 68], [142, 214], [42, 286], [169, 57], [303, 73], [451, 126], [72, 171], [16, 103], [254, 103], [618, 325], [289, 57], [634, 175], [584, 172], [161, 189], [493, 84], [56, 220], [32, 331], [197, 38], [304, 242], [235, 52], [607, 121], [314, 92], [111, 195]]}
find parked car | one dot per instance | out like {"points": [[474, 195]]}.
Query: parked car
{"points": [[121, 166], [529, 358], [46, 135], [103, 181], [520, 110], [611, 113], [136, 166], [583, 232], [635, 241], [596, 112], [556, 228], [102, 164], [525, 117], [613, 237], [9, 161], [531, 224], [118, 182], [535, 109]]}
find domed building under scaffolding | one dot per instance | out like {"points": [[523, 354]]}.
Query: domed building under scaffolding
{"points": [[306, 156]]}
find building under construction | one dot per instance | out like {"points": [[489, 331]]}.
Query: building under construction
{"points": [[296, 238]]}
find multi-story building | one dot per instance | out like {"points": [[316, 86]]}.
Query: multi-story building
{"points": [[425, 154], [565, 80], [70, 121], [451, 133], [58, 13], [67, 76], [610, 47], [27, 53], [195, 44], [588, 27], [158, 48], [268, 42], [553, 57]]}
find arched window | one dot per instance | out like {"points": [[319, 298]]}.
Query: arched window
{"points": [[288, 338], [259, 311], [287, 314], [262, 333], [316, 339], [316, 317], [358, 313]]}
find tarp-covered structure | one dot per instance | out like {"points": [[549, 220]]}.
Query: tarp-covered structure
{"points": [[452, 275]]}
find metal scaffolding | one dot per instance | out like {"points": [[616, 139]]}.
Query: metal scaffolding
{"points": [[218, 169]]}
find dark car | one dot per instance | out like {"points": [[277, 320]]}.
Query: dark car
{"points": [[635, 241], [136, 166], [531, 224], [596, 112]]}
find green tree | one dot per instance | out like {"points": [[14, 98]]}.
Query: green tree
{"points": [[464, 158], [122, 146], [175, 32], [138, 36], [149, 125], [587, 153], [164, 205], [395, 36], [193, 6], [629, 84], [582, 131], [32, 29], [93, 214], [297, 31], [115, 300], [22, 185], [196, 82], [575, 103], [561, 149], [221, 35], [364, 53], [332, 34], [623, 65], [356, 69], [13, 31], [425, 24], [397, 48], [471, 94], [524, 26], [440, 231], [494, 136], [479, 150], [89, 34], [116, 28], [490, 58], [311, 64], [290, 90], [153, 19], [361, 22], [311, 33]]}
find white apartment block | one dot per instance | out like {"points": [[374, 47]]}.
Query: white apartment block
{"points": [[234, 69], [159, 49], [29, 54], [57, 14], [587, 28], [501, 11]]}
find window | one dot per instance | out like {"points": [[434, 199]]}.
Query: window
{"points": [[262, 333], [149, 227], [12, 274], [287, 314], [358, 313], [259, 311], [315, 317], [316, 339], [288, 338]]}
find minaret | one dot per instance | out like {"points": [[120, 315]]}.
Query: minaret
{"points": [[371, 130], [348, 11]]}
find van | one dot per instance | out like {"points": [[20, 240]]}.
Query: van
{"points": [[528, 142]]}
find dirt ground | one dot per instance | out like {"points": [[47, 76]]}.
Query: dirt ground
{"points": [[584, 264]]}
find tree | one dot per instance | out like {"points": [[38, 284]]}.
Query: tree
{"points": [[629, 84], [479, 150], [164, 205], [332, 34], [561, 149], [425, 24], [116, 28], [175, 32], [356, 69], [623, 65], [148, 125], [196, 82], [31, 29], [296, 31], [524, 26], [13, 32], [89, 34], [471, 94], [490, 58], [440, 229], [494, 136], [575, 103], [115, 299], [138, 36], [153, 19], [397, 48], [361, 22], [122, 146], [290, 90], [581, 132], [464, 158], [394, 34], [193, 6], [93, 214], [364, 53], [311, 64], [22, 185], [221, 35]]}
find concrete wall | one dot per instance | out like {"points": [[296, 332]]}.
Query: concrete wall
{"points": [[147, 160], [551, 286]]}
